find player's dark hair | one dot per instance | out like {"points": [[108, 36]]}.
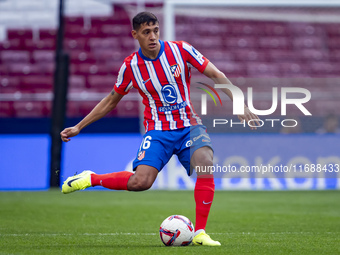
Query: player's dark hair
{"points": [[143, 17]]}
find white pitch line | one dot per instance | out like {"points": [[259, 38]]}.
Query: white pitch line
{"points": [[153, 234], [83, 234]]}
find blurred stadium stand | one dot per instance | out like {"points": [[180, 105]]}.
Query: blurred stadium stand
{"points": [[97, 37], [252, 51]]}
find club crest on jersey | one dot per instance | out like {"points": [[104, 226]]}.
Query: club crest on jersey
{"points": [[141, 155], [175, 70]]}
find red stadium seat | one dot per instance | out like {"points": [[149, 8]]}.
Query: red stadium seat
{"points": [[23, 69], [208, 30], [324, 68], [75, 44], [9, 82], [47, 34], [76, 81], [334, 55], [305, 29], [128, 45], [334, 42], [308, 42], [95, 81], [244, 55], [4, 70], [110, 20], [14, 44], [46, 44], [47, 68], [218, 55], [42, 56], [76, 31], [86, 107], [11, 56], [75, 20], [314, 54], [19, 33], [231, 68], [241, 42], [82, 56], [293, 68], [274, 42], [127, 108], [214, 42], [104, 43], [88, 69], [33, 82], [275, 29], [6, 109], [114, 54], [333, 30], [13, 92], [262, 68], [245, 28], [31, 109], [281, 55], [114, 67], [73, 109], [116, 30]]}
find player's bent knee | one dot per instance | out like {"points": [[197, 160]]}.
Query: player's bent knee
{"points": [[204, 161], [140, 182], [203, 167], [143, 178], [142, 185], [203, 157]]}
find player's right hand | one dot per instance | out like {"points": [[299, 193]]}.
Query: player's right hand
{"points": [[69, 132]]}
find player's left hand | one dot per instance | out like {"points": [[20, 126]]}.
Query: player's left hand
{"points": [[251, 119]]}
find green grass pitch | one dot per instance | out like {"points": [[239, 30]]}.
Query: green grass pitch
{"points": [[111, 222]]}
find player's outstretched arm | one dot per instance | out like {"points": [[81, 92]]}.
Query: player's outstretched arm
{"points": [[218, 77], [106, 105]]}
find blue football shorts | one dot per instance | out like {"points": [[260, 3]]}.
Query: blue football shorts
{"points": [[158, 146]]}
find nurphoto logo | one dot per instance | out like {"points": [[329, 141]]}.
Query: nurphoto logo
{"points": [[239, 98]]}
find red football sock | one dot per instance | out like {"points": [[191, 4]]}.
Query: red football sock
{"points": [[204, 195], [117, 181]]}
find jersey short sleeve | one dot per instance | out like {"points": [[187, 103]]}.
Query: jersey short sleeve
{"points": [[124, 82], [194, 57]]}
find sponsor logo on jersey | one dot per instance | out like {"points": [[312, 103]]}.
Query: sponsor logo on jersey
{"points": [[201, 136], [197, 53], [169, 94], [175, 70], [189, 143], [172, 107]]}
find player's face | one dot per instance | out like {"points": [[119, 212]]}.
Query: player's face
{"points": [[148, 36]]}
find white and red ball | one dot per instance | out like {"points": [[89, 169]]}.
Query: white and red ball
{"points": [[176, 230]]}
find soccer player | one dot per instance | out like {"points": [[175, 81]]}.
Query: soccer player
{"points": [[161, 73]]}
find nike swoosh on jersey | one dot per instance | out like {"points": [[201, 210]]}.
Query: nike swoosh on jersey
{"points": [[146, 81], [69, 183], [206, 203]]}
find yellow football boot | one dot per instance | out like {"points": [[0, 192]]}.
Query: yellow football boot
{"points": [[78, 182], [204, 239]]}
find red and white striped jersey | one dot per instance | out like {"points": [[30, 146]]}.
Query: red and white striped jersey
{"points": [[164, 84]]}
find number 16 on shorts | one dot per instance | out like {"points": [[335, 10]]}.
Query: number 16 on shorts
{"points": [[144, 146], [145, 143]]}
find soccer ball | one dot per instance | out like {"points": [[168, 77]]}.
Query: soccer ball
{"points": [[176, 230]]}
